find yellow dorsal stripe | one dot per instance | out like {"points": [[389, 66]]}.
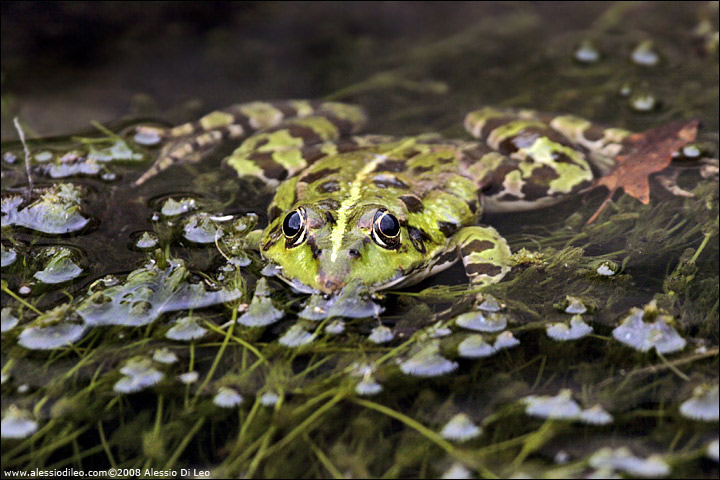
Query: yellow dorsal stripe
{"points": [[355, 190]]}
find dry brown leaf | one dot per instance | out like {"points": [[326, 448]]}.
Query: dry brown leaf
{"points": [[645, 153]]}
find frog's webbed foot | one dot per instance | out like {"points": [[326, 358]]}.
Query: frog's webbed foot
{"points": [[484, 253]]}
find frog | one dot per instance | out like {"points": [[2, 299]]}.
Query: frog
{"points": [[379, 211]]}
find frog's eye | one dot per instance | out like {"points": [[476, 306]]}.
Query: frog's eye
{"points": [[386, 230], [294, 228]]}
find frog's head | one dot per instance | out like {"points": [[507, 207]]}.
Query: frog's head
{"points": [[321, 250]]}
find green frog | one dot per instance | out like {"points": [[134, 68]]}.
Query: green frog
{"points": [[380, 211]]}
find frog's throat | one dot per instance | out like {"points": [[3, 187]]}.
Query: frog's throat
{"points": [[350, 201]]}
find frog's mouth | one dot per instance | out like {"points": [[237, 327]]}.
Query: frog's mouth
{"points": [[401, 278], [420, 273]]}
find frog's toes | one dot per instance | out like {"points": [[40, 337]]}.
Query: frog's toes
{"points": [[484, 253]]}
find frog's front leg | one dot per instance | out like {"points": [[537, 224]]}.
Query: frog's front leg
{"points": [[484, 252]]}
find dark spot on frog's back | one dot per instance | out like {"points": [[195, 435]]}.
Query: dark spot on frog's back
{"points": [[391, 166], [311, 177], [328, 187], [594, 133], [538, 187], [274, 212], [493, 123], [413, 203], [417, 237], [483, 269], [328, 204], [313, 247], [447, 228], [273, 237], [417, 170], [472, 206], [383, 181], [476, 246]]}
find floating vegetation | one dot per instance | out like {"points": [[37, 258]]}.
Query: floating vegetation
{"points": [[336, 327], [149, 292], [200, 228], [607, 269], [351, 302], [8, 319], [643, 336], [368, 386], [457, 471], [572, 305], [17, 423], [428, 362], [227, 398], [644, 54], [147, 241], [189, 377], [563, 407], [9, 255], [172, 207], [117, 151], [269, 399], [560, 407], [60, 266], [57, 211], [488, 303], [562, 333], [703, 405], [186, 329], [148, 135], [505, 340], [587, 53], [643, 101], [460, 428], [475, 346], [381, 334], [261, 311], [713, 450], [164, 355], [621, 459], [595, 415], [139, 374], [296, 336], [55, 328], [482, 321], [68, 165]]}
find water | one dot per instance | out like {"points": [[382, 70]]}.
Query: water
{"points": [[180, 357]]}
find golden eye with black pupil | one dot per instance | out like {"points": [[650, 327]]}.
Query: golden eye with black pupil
{"points": [[294, 228], [386, 230]]}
